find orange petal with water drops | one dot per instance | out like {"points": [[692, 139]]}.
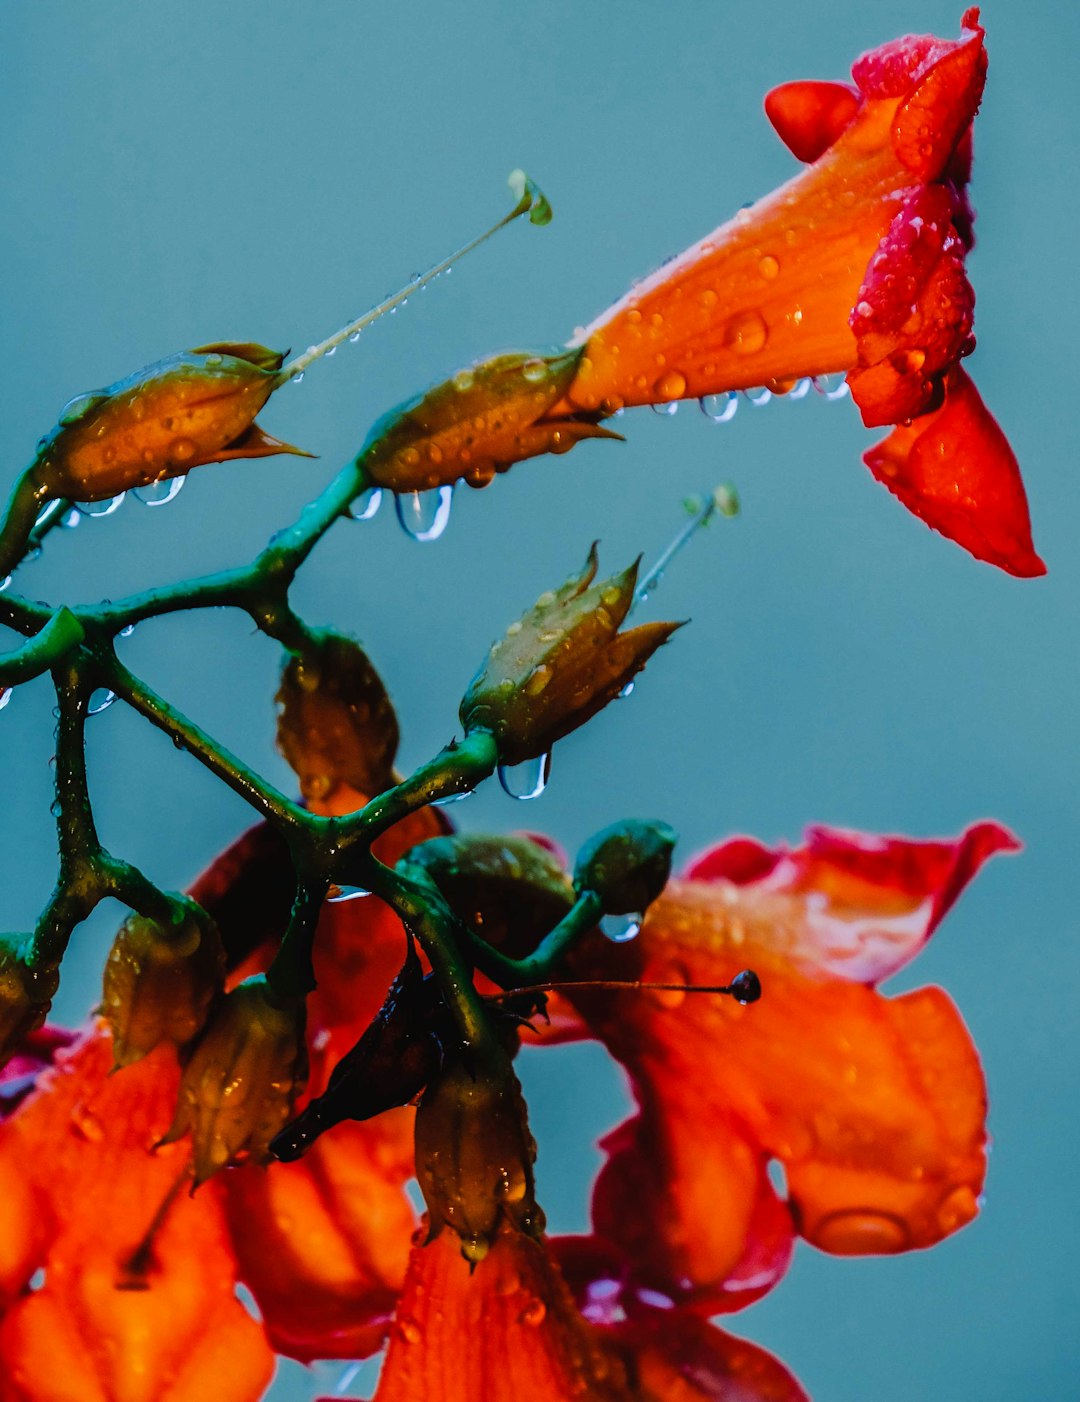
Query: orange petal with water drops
{"points": [[323, 1243], [137, 1302], [954, 469], [508, 1331], [874, 1106]]}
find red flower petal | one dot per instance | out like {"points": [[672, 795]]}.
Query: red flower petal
{"points": [[809, 116], [506, 1332], [954, 469], [875, 1106], [915, 311]]}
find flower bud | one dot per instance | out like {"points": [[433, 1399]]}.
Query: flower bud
{"points": [[393, 1061], [159, 983], [627, 865], [563, 662], [337, 725], [508, 889], [192, 408], [474, 1152], [238, 1089], [476, 424], [26, 993]]}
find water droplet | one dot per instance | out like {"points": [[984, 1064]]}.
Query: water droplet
{"points": [[828, 386], [534, 1312], [858, 1233], [337, 895], [409, 1330], [297, 378], [424, 515], [105, 507], [801, 388], [746, 333], [451, 798], [628, 690], [758, 397], [79, 407], [160, 493], [366, 504], [464, 380], [5, 583], [671, 386], [527, 780], [86, 1124], [957, 1207], [354, 338], [534, 371], [676, 974], [127, 632], [769, 267], [666, 410], [721, 408], [100, 700], [37, 1280], [331, 351], [5, 696], [620, 929], [745, 987], [70, 519], [537, 680]]}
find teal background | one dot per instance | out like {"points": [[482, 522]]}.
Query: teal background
{"points": [[174, 174]]}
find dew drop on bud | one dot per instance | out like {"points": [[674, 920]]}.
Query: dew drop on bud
{"points": [[424, 515], [758, 397], [527, 780], [721, 408], [70, 519], [366, 504], [160, 493], [100, 700], [620, 929], [105, 507], [666, 410], [339, 894], [628, 690], [745, 987]]}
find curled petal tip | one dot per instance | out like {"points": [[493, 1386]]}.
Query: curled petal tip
{"points": [[809, 116]]}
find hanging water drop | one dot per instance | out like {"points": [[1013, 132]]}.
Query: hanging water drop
{"points": [[620, 929], [801, 388], [337, 895], [127, 632], [364, 507], [100, 700], [628, 690], [424, 515], [527, 780], [298, 377], [5, 696], [721, 408], [105, 507], [70, 519], [160, 493], [331, 351], [354, 338], [451, 798], [827, 386], [666, 410], [5, 583], [758, 397]]}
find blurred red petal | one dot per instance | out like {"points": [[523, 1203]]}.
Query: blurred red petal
{"points": [[809, 116]]}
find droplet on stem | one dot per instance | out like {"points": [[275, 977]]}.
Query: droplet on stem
{"points": [[366, 504], [160, 493], [100, 700], [620, 929], [105, 507]]}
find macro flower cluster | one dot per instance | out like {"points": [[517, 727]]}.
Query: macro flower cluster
{"points": [[218, 1168]]}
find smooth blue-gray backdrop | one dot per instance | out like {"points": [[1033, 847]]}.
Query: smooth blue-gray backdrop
{"points": [[173, 174]]}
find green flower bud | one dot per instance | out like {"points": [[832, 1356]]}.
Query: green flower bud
{"points": [[560, 664], [159, 983], [508, 889], [474, 1153], [26, 993], [627, 865], [476, 424], [238, 1089], [337, 725], [192, 408]]}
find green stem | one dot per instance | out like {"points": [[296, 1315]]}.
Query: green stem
{"points": [[27, 498], [62, 632], [291, 974], [544, 962]]}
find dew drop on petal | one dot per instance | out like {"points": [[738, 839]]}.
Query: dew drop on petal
{"points": [[721, 408], [534, 1312], [769, 267], [105, 507], [527, 780], [746, 333], [366, 505], [665, 410], [100, 700], [620, 929], [801, 388], [857, 1233], [424, 515], [160, 493], [831, 386], [628, 690], [758, 397]]}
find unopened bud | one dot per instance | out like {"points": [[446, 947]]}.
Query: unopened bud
{"points": [[159, 983], [474, 1153], [509, 889], [238, 1089], [560, 664], [26, 993], [337, 725], [192, 408], [477, 423], [627, 865]]}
